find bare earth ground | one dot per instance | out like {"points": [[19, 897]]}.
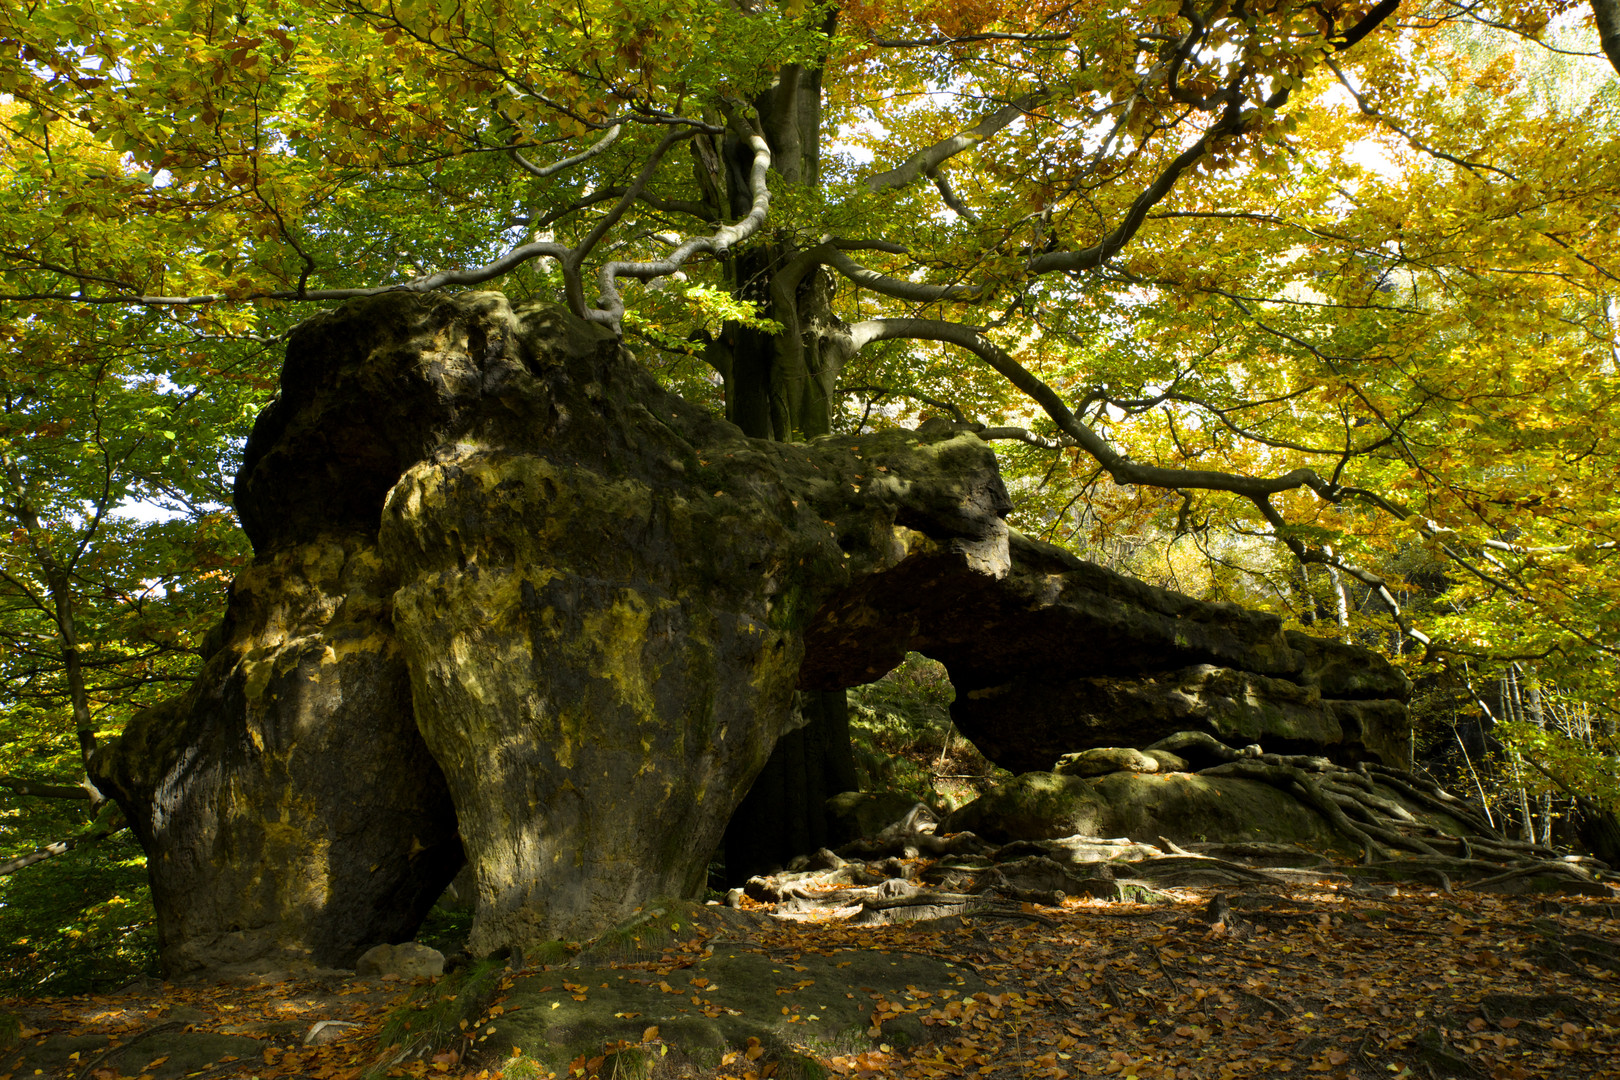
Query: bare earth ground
{"points": [[1309, 980]]}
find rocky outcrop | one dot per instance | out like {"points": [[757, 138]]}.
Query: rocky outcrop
{"points": [[1061, 655], [1184, 808], [509, 589], [583, 621], [289, 810]]}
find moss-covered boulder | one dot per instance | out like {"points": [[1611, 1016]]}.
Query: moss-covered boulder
{"points": [[603, 606], [1102, 760], [1147, 807], [509, 587], [290, 812], [1033, 806]]}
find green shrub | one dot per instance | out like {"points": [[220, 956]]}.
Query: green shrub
{"points": [[904, 740], [78, 923]]}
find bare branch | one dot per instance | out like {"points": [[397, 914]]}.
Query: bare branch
{"points": [[611, 303], [1234, 120], [952, 199], [576, 256], [1258, 490], [543, 171], [427, 283], [21, 786], [60, 847], [1231, 123], [926, 160], [1023, 435], [946, 39], [1416, 143], [898, 288], [878, 393], [1121, 468]]}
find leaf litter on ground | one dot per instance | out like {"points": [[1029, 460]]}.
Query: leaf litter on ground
{"points": [[1307, 980]]}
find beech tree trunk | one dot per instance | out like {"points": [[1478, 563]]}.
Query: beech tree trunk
{"points": [[781, 387]]}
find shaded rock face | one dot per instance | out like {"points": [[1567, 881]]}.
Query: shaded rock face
{"points": [[512, 598], [1061, 655], [289, 810]]}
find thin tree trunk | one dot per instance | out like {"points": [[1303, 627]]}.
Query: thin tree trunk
{"points": [[50, 851], [1478, 787], [68, 628], [1341, 599], [58, 604]]}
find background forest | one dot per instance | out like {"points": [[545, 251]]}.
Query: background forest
{"points": [[1307, 306]]}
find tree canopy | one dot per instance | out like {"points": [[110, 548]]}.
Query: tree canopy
{"points": [[1319, 297]]}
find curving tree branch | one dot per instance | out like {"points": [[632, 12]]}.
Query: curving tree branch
{"points": [[59, 847], [929, 158], [22, 786], [542, 171], [1259, 490], [610, 309], [476, 275], [915, 291]]}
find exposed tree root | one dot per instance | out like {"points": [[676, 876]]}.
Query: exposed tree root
{"points": [[1373, 805], [1409, 830]]}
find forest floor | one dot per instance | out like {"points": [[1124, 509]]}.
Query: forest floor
{"points": [[1313, 980]]}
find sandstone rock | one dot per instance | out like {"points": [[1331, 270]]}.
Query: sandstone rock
{"points": [[1181, 807], [602, 597], [1238, 707], [508, 589], [1033, 806], [1060, 655], [1102, 760], [329, 1031], [288, 807], [408, 960], [579, 602], [1168, 761]]}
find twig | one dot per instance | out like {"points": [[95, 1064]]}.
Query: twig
{"points": [[1171, 979], [1267, 1002], [171, 1025]]}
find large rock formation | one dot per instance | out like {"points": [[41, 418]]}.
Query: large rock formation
{"points": [[1060, 655], [287, 805], [508, 589]]}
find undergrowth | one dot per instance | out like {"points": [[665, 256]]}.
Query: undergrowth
{"points": [[904, 740], [78, 923], [437, 1016], [446, 929]]}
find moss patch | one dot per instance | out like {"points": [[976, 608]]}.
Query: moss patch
{"points": [[731, 1000]]}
